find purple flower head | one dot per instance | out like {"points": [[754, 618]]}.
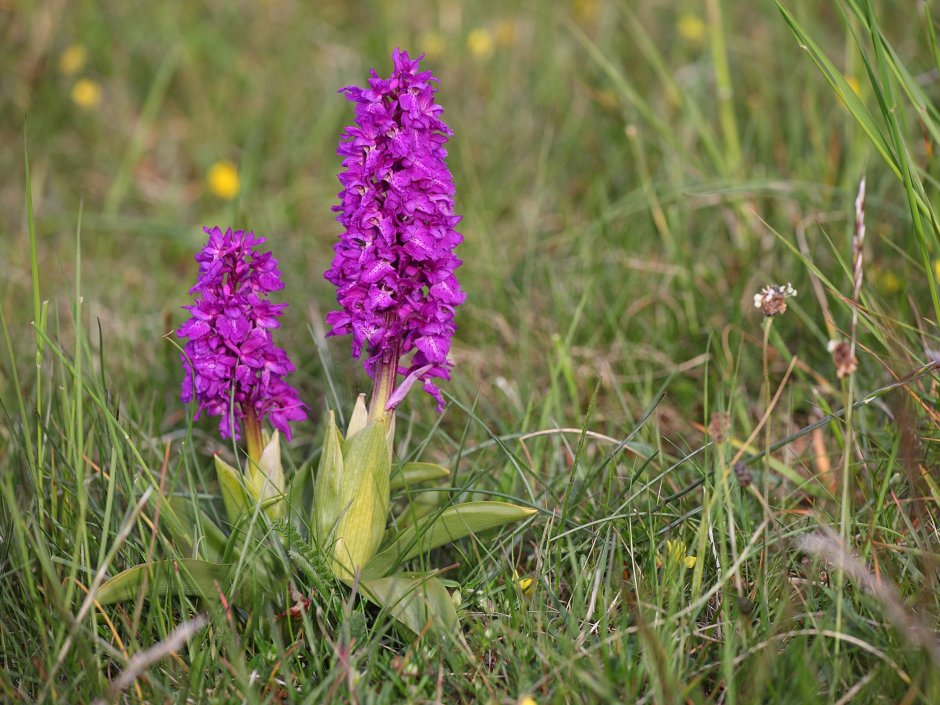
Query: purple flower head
{"points": [[230, 353], [394, 264]]}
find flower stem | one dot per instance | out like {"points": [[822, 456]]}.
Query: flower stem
{"points": [[386, 375], [845, 510], [252, 435]]}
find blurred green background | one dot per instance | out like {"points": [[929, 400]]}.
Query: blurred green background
{"points": [[607, 205]]}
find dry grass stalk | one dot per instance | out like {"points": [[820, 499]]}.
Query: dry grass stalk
{"points": [[143, 660], [828, 546], [858, 258], [843, 353]]}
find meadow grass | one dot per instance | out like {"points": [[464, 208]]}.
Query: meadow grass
{"points": [[631, 174]]}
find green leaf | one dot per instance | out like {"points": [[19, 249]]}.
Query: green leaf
{"points": [[364, 500], [411, 474], [328, 485], [297, 486], [209, 537], [451, 524], [417, 602], [421, 505], [186, 576], [234, 495], [181, 529]]}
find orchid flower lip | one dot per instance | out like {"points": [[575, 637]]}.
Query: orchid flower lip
{"points": [[401, 391]]}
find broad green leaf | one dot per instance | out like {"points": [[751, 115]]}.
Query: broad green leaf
{"points": [[451, 524], [233, 491], [186, 576], [180, 529], [328, 485], [417, 602], [211, 542], [411, 474], [297, 486], [421, 505], [364, 497]]}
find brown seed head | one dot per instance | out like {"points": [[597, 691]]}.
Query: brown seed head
{"points": [[772, 300], [719, 426], [742, 474], [846, 363]]}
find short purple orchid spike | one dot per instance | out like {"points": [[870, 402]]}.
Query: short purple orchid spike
{"points": [[394, 265], [230, 356]]}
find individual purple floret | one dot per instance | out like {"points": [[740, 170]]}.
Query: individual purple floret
{"points": [[230, 354], [394, 264]]}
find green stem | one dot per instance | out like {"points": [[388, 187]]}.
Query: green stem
{"points": [[846, 508], [723, 83], [766, 394], [765, 476]]}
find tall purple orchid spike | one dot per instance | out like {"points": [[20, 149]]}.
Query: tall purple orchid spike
{"points": [[230, 356], [395, 262]]}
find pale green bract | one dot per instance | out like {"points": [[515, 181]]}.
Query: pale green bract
{"points": [[361, 505], [263, 484], [328, 486]]}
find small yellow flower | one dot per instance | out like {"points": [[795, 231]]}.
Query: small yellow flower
{"points": [[691, 28], [431, 43], [888, 282], [525, 584], [676, 554], [587, 10], [86, 94], [73, 59], [528, 700], [480, 43], [506, 31], [223, 180]]}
